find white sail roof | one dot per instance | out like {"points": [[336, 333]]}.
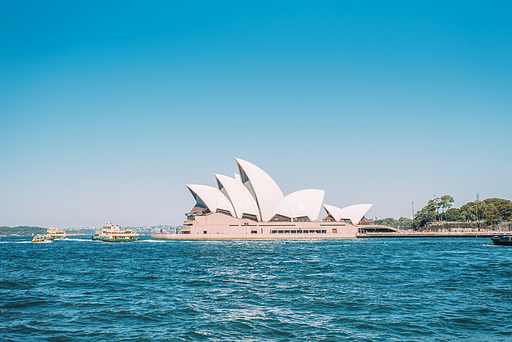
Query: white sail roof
{"points": [[354, 212], [211, 197], [238, 195], [265, 191], [333, 211], [309, 200], [289, 209]]}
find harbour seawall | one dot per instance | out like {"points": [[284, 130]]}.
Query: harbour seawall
{"points": [[481, 234]]}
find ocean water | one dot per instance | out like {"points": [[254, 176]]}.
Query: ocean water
{"points": [[313, 290]]}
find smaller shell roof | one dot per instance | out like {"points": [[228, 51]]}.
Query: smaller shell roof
{"points": [[290, 209], [354, 212], [211, 197], [333, 211], [309, 200]]}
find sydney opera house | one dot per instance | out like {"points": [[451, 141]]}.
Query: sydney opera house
{"points": [[251, 205]]}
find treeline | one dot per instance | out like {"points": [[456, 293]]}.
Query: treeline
{"points": [[403, 223], [22, 230], [490, 210]]}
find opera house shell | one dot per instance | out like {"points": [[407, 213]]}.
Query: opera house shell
{"points": [[251, 205]]}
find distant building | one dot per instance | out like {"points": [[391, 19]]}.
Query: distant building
{"points": [[365, 222]]}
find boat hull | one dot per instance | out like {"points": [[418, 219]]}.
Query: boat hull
{"points": [[96, 238], [41, 239], [502, 240]]}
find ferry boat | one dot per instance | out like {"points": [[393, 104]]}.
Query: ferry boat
{"points": [[112, 233], [502, 240], [41, 239], [56, 233]]}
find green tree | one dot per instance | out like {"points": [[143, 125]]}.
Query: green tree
{"points": [[388, 221], [404, 223], [444, 203], [470, 211], [497, 209], [495, 201], [436, 203], [454, 215], [492, 215], [505, 210], [426, 214]]}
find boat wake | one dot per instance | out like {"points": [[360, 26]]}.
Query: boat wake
{"points": [[15, 241]]}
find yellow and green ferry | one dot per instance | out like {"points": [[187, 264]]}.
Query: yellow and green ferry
{"points": [[54, 233], [41, 239], [112, 233]]}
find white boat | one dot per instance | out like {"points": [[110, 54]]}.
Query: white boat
{"points": [[112, 233], [56, 233]]}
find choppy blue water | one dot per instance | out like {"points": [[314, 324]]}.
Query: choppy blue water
{"points": [[318, 290]]}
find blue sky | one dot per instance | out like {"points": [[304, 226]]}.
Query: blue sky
{"points": [[108, 109]]}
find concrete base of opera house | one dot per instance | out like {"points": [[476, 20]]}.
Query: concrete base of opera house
{"points": [[219, 226]]}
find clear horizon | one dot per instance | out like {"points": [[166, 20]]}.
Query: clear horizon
{"points": [[107, 110]]}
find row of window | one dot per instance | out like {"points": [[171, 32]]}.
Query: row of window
{"points": [[300, 231]]}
